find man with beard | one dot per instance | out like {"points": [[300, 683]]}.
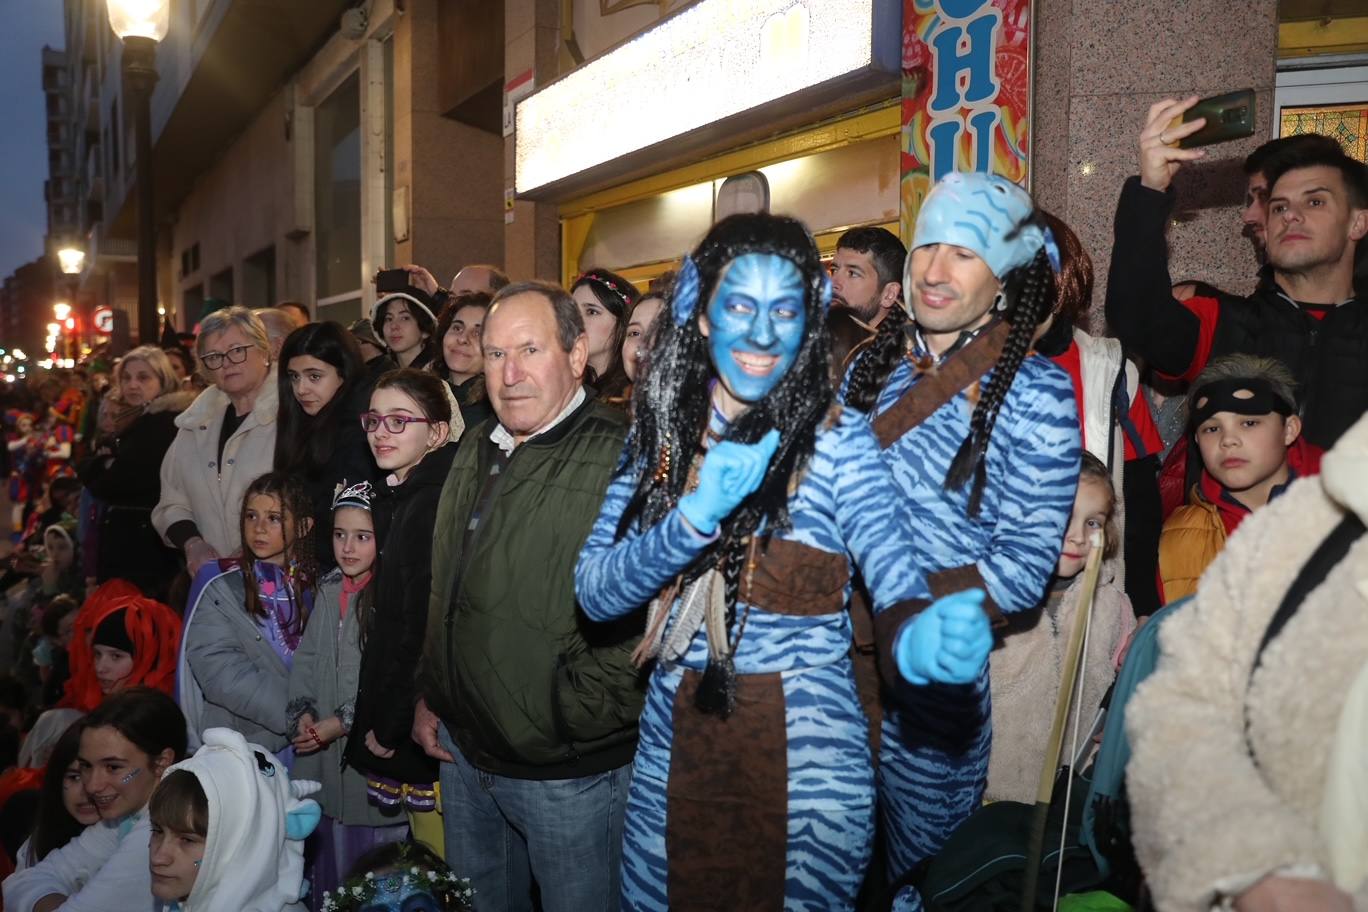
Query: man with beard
{"points": [[866, 274]]}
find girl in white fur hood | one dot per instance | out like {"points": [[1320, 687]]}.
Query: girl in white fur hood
{"points": [[228, 830], [1024, 669]]}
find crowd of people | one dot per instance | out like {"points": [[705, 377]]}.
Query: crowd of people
{"points": [[748, 590]]}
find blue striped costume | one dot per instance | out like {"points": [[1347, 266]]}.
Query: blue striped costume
{"points": [[933, 758], [846, 505]]}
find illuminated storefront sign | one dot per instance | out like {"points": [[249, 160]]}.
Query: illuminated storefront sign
{"points": [[966, 69], [711, 61]]}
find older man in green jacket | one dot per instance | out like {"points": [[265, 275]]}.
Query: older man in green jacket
{"points": [[531, 707]]}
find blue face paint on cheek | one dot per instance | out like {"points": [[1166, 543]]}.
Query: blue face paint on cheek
{"points": [[394, 894], [756, 319], [131, 776]]}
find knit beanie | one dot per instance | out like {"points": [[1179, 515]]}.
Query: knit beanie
{"points": [[113, 632]]}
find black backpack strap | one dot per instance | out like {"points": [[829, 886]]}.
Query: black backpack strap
{"points": [[1311, 575], [1330, 552]]}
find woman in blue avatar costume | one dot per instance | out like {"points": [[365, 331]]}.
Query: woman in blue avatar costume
{"points": [[982, 437], [743, 497]]}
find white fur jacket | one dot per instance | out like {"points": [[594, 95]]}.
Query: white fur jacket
{"points": [[1229, 772]]}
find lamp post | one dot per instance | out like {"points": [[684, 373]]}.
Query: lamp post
{"points": [[62, 311], [71, 260], [141, 24], [72, 263]]}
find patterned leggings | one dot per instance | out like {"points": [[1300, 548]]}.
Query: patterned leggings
{"points": [[933, 766]]}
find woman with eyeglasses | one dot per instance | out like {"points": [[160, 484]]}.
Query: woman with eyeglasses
{"points": [[412, 426], [224, 439], [323, 388]]}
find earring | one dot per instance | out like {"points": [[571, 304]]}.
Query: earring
{"points": [[1000, 302]]}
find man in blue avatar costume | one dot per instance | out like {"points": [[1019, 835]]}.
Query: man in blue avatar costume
{"points": [[744, 505], [982, 438]]}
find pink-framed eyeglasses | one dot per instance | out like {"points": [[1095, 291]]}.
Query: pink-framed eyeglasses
{"points": [[395, 424]]}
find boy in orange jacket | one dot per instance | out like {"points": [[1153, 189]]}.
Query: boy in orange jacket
{"points": [[1242, 415]]}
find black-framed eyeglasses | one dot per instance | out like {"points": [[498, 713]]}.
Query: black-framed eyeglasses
{"points": [[235, 355], [395, 424]]}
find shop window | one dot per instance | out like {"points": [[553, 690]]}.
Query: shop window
{"points": [[1346, 123], [828, 191], [192, 305], [258, 279], [1319, 99], [190, 260], [221, 286], [337, 191], [340, 310]]}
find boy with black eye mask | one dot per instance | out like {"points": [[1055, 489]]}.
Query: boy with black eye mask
{"points": [[1243, 419]]}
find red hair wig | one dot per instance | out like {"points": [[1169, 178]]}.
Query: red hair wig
{"points": [[153, 628]]}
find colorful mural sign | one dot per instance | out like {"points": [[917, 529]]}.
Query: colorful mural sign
{"points": [[966, 77]]}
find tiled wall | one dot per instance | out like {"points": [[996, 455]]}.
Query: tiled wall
{"points": [[1099, 67]]}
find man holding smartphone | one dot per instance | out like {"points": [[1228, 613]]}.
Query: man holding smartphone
{"points": [[1307, 316]]}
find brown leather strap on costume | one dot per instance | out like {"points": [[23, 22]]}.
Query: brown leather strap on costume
{"points": [[941, 384], [796, 579], [887, 623], [958, 579]]}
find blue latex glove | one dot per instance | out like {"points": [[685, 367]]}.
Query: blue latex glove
{"points": [[730, 473], [948, 643]]}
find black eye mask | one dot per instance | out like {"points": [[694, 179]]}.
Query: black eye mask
{"points": [[1220, 396]]}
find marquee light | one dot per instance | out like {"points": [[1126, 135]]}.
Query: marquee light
{"points": [[708, 62]]}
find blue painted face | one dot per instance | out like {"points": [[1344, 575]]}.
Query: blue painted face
{"points": [[395, 893], [755, 324]]}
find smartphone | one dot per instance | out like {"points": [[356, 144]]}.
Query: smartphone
{"points": [[391, 280], [1229, 116]]}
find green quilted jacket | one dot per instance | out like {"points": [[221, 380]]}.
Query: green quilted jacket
{"points": [[526, 684]]}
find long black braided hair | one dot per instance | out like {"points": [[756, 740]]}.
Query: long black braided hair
{"points": [[873, 365], [1030, 293], [672, 407]]}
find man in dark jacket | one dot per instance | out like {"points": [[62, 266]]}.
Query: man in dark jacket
{"points": [[1307, 315], [531, 708]]}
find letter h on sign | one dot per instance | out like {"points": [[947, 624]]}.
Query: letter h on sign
{"points": [[963, 50]]}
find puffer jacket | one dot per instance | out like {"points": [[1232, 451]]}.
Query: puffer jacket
{"points": [[229, 674], [1230, 761], [526, 684], [195, 487], [1191, 539], [323, 681]]}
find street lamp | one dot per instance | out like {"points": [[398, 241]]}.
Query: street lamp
{"points": [[71, 259], [61, 310], [141, 24]]}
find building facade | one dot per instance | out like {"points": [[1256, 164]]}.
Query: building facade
{"points": [[300, 147]]}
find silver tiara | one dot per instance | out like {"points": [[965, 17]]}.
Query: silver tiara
{"points": [[358, 495]]}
